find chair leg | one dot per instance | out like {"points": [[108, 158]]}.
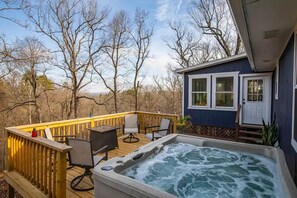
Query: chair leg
{"points": [[76, 181], [130, 139]]}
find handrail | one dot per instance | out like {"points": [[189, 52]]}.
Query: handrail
{"points": [[42, 162], [237, 122], [63, 148], [237, 114]]}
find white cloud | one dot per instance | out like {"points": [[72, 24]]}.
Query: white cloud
{"points": [[167, 10]]}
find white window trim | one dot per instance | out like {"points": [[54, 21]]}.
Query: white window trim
{"points": [[293, 141], [199, 76], [276, 81], [235, 90]]}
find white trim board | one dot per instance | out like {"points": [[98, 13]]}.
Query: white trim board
{"points": [[293, 141], [183, 95], [211, 63]]}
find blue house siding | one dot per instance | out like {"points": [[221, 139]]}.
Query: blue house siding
{"points": [[212, 117], [282, 108]]}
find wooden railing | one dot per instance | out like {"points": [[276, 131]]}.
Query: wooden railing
{"points": [[40, 161], [79, 127], [43, 162], [237, 121]]}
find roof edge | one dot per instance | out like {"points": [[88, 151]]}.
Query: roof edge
{"points": [[211, 63]]}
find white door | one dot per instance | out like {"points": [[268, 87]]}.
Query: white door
{"points": [[256, 100]]}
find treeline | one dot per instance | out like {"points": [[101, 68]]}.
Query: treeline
{"points": [[80, 42]]}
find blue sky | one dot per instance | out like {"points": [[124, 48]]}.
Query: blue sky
{"points": [[161, 11]]}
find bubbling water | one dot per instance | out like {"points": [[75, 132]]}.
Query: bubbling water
{"points": [[185, 170]]}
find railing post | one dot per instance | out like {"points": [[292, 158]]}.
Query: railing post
{"points": [[92, 123], [9, 153], [61, 175]]}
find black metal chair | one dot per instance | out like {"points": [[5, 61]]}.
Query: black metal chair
{"points": [[164, 129], [83, 156], [131, 126]]}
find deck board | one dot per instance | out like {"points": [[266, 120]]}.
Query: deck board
{"points": [[124, 149]]}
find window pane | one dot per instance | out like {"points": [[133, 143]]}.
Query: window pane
{"points": [[224, 84], [224, 99], [199, 84], [199, 99]]}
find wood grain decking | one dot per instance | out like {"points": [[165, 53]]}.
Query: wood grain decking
{"points": [[125, 148]]}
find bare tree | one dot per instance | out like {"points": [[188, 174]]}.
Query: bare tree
{"points": [[188, 48], [76, 28], [115, 50], [212, 17], [170, 87], [31, 57], [8, 6], [141, 38]]}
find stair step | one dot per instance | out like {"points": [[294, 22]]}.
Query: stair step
{"points": [[250, 126], [252, 139], [250, 132]]}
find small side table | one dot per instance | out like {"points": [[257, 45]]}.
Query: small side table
{"points": [[104, 135]]}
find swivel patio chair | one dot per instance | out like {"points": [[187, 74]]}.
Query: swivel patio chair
{"points": [[164, 129], [82, 155], [131, 126]]}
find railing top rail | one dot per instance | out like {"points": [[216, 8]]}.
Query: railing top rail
{"points": [[162, 114], [40, 140], [40, 126]]}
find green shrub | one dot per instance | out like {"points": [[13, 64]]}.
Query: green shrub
{"points": [[269, 133]]}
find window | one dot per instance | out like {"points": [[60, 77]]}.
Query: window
{"points": [[199, 94], [255, 90], [223, 93], [225, 90]]}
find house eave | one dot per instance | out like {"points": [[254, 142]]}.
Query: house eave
{"points": [[211, 63], [265, 27]]}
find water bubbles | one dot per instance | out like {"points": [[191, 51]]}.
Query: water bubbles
{"points": [[185, 170]]}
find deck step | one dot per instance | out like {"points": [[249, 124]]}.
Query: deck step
{"points": [[250, 126], [254, 133], [252, 139]]}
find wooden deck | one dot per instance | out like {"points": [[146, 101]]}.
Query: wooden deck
{"points": [[125, 148]]}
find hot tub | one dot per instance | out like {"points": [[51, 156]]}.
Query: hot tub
{"points": [[223, 172]]}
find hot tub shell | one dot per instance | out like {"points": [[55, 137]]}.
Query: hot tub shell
{"points": [[110, 184]]}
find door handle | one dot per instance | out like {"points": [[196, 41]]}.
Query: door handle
{"points": [[243, 101]]}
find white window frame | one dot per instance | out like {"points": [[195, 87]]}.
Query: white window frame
{"points": [[235, 90], [199, 76], [276, 80], [293, 141]]}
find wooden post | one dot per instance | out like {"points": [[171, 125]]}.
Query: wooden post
{"points": [[10, 191], [61, 175], [9, 153]]}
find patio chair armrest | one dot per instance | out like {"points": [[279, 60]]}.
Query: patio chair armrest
{"points": [[101, 150], [149, 127], [156, 131]]}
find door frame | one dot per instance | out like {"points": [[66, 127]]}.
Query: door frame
{"points": [[268, 105]]}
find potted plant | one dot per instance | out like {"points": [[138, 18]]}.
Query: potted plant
{"points": [[269, 133], [182, 122]]}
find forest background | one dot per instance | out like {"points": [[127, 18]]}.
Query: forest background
{"points": [[87, 43]]}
